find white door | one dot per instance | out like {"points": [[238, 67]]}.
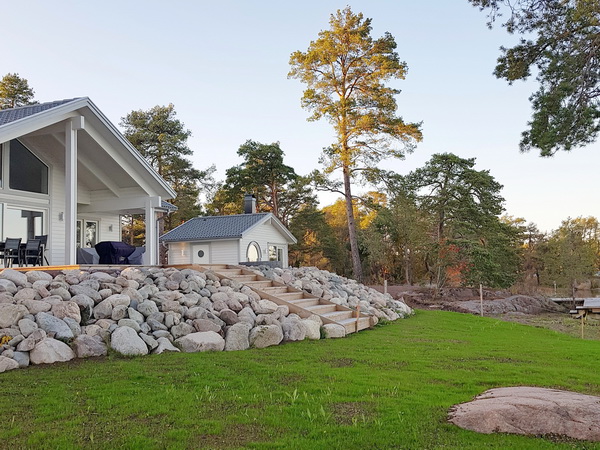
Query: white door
{"points": [[201, 254]]}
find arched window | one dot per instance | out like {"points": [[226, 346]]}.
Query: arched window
{"points": [[253, 252], [27, 172]]}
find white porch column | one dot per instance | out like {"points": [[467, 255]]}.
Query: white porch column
{"points": [[151, 229], [70, 217]]}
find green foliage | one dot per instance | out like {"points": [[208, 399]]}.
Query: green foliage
{"points": [[570, 254], [345, 71], [562, 43], [161, 138], [276, 186], [15, 91], [396, 242], [317, 244], [390, 387]]}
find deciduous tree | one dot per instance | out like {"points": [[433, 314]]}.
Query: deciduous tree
{"points": [[561, 44], [345, 71]]}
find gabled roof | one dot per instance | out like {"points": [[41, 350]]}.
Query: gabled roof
{"points": [[210, 228], [17, 122], [14, 114], [169, 207]]}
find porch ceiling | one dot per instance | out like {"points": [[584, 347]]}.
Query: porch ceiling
{"points": [[96, 170]]}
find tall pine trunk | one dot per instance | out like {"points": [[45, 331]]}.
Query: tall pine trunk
{"points": [[356, 264]]}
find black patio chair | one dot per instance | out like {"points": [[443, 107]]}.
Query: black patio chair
{"points": [[12, 251], [33, 253], [43, 246]]}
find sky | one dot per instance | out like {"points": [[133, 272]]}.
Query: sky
{"points": [[224, 67]]}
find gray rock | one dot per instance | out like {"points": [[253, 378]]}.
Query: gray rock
{"points": [[201, 342], [7, 286], [7, 364], [38, 275], [264, 307], [172, 318], [129, 323], [119, 312], [265, 336], [49, 351], [10, 314], [26, 294], [102, 277], [164, 345], [86, 290], [67, 309], [86, 346], [135, 315], [30, 342], [155, 325], [237, 337], [333, 330], [73, 325], [54, 326], [147, 307], [162, 334], [18, 278], [293, 329], [202, 325], [181, 330], [127, 342], [133, 273], [150, 341], [229, 317], [62, 293], [27, 326], [37, 306], [22, 358], [312, 328], [247, 315]]}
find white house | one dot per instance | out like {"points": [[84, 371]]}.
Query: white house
{"points": [[231, 239], [67, 172]]}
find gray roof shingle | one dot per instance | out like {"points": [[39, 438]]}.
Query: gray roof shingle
{"points": [[213, 227], [14, 114]]}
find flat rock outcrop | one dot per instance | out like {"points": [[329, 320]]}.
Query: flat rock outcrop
{"points": [[531, 411], [523, 304]]}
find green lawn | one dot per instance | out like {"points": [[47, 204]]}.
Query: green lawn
{"points": [[390, 387]]}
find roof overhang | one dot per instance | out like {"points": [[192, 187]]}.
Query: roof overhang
{"points": [[100, 135]]}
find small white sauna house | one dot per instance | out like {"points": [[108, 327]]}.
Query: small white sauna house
{"points": [[250, 237]]}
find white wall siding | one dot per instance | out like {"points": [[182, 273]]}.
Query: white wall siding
{"points": [[56, 228], [179, 253], [265, 235], [224, 252]]}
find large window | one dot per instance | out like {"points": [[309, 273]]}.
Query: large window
{"points": [[23, 223], [27, 172]]}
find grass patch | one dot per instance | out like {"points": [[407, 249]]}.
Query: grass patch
{"points": [[390, 387]]}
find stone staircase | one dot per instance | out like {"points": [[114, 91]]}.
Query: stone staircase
{"points": [[299, 302]]}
